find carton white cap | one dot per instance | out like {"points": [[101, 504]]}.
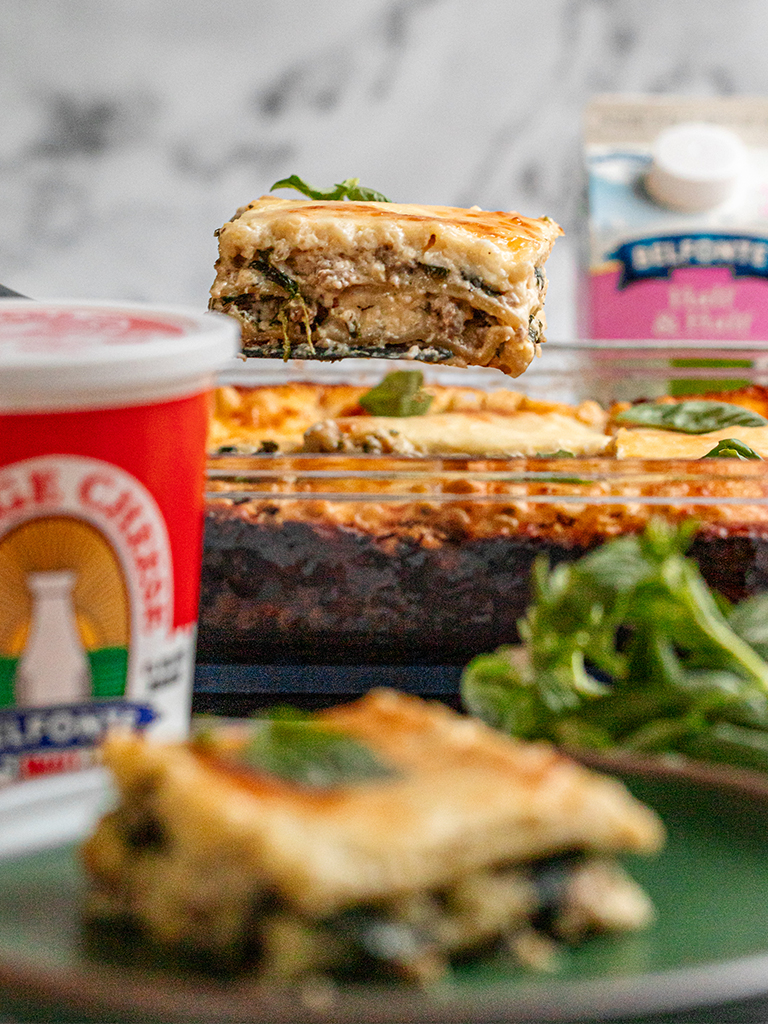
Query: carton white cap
{"points": [[696, 166]]}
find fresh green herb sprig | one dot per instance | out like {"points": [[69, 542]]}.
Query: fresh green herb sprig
{"points": [[627, 647], [303, 750], [350, 188], [398, 394], [731, 448]]}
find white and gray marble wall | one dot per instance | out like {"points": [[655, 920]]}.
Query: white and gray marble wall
{"points": [[131, 129]]}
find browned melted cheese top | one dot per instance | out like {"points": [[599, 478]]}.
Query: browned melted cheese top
{"points": [[506, 229]]}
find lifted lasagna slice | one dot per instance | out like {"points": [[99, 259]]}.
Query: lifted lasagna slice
{"points": [[415, 835], [328, 279]]}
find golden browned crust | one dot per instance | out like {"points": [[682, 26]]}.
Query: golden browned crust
{"points": [[483, 509], [277, 415]]}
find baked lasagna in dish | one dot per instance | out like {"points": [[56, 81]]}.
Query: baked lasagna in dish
{"points": [[305, 417], [332, 279], [385, 837], [361, 540]]}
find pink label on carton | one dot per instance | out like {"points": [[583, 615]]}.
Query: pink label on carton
{"points": [[693, 303], [677, 227]]}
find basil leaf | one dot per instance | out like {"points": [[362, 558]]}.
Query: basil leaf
{"points": [[398, 394], [350, 188], [308, 753], [694, 417], [731, 448], [294, 181], [360, 193], [262, 263]]}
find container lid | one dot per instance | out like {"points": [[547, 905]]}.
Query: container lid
{"points": [[83, 355], [696, 166]]}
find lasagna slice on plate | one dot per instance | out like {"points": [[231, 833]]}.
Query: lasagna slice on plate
{"points": [[383, 837], [329, 279]]}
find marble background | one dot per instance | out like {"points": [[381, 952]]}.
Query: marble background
{"points": [[131, 130]]}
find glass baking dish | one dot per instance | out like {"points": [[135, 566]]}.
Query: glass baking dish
{"points": [[381, 560]]}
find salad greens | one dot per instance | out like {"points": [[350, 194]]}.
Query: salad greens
{"points": [[398, 394], [697, 416], [350, 188], [627, 647]]}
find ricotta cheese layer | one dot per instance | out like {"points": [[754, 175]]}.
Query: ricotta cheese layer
{"points": [[651, 443]]}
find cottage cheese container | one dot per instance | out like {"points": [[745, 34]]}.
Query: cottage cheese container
{"points": [[103, 418]]}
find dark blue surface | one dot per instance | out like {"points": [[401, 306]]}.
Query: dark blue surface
{"points": [[287, 680]]}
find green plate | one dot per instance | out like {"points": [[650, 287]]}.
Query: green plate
{"points": [[708, 948]]}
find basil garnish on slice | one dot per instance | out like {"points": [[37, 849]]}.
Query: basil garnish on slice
{"points": [[262, 263], [694, 417], [350, 188], [307, 752], [732, 448], [398, 394]]}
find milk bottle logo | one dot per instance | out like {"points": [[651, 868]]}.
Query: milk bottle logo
{"points": [[65, 626], [85, 585], [677, 244], [53, 667]]}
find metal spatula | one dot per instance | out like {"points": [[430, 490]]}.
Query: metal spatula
{"points": [[9, 293]]}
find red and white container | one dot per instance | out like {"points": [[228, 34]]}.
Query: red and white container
{"points": [[103, 418]]}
